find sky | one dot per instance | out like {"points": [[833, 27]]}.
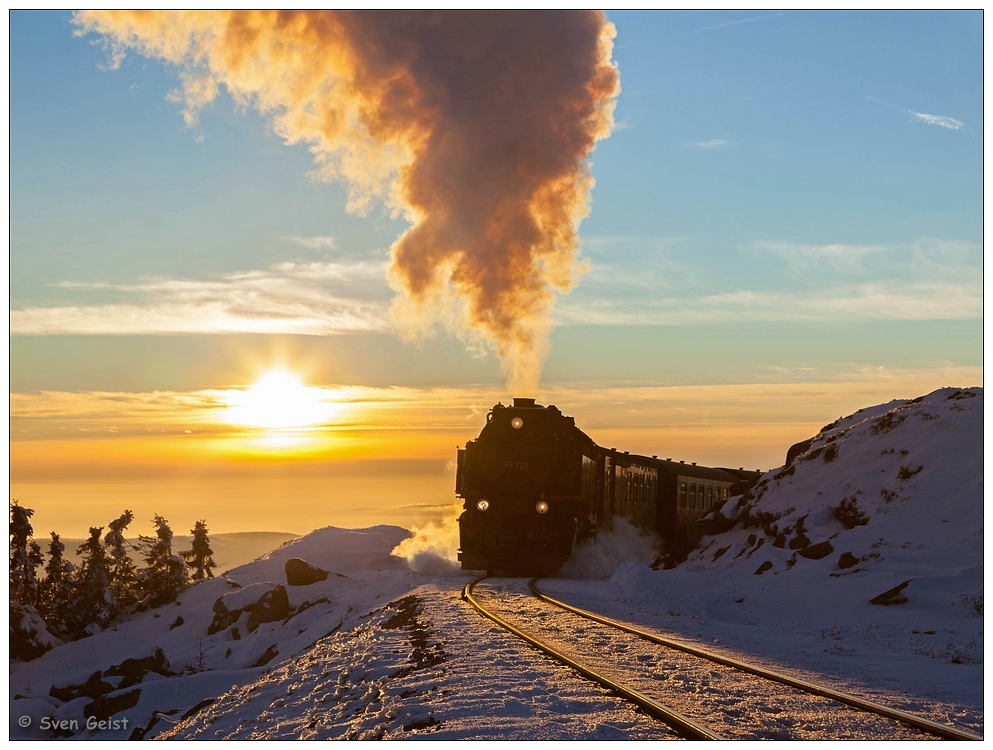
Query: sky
{"points": [[785, 227]]}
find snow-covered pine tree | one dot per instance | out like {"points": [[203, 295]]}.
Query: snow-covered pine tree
{"points": [[28, 637], [165, 574], [123, 574], [199, 559], [93, 600], [25, 556], [57, 590]]}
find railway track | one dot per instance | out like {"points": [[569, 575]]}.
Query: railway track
{"points": [[699, 694]]}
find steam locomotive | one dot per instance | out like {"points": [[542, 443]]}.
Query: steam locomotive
{"points": [[533, 485]]}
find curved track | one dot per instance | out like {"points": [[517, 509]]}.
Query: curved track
{"points": [[925, 725], [813, 721], [682, 725]]}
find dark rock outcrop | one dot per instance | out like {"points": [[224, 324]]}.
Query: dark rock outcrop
{"points": [[107, 706], [816, 551], [302, 573], [892, 597], [271, 606]]}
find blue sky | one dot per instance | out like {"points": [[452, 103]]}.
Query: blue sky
{"points": [[786, 198], [766, 169]]}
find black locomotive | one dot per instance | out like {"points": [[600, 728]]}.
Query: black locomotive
{"points": [[533, 485]]}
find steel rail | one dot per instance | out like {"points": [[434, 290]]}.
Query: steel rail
{"points": [[918, 722], [684, 726]]}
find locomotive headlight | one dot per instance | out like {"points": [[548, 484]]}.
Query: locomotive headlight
{"points": [[517, 423], [541, 507], [483, 505]]}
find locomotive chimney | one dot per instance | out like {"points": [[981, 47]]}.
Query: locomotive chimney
{"points": [[518, 402]]}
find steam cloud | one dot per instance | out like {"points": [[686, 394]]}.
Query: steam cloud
{"points": [[430, 550], [619, 544], [477, 127]]}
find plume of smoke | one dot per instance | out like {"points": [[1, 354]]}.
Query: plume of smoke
{"points": [[475, 126], [430, 550], [621, 543]]}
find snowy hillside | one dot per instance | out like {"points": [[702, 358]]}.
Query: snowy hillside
{"points": [[860, 563]]}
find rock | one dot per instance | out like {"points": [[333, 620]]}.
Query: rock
{"points": [[767, 565], [892, 597], [94, 687], [270, 606], [107, 706], [847, 560], [302, 573], [273, 606], [132, 670], [270, 653], [817, 551], [797, 449], [223, 618]]}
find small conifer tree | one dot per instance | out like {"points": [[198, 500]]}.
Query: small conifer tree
{"points": [[57, 590], [164, 577], [25, 556], [199, 559], [123, 574], [94, 600]]}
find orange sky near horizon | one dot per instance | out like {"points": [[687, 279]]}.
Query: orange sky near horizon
{"points": [[360, 456]]}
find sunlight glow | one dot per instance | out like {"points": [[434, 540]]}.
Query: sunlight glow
{"points": [[277, 401]]}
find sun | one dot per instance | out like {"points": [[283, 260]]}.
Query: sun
{"points": [[279, 400]]}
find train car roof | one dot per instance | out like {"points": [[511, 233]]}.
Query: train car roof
{"points": [[676, 468]]}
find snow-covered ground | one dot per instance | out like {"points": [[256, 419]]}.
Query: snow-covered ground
{"points": [[860, 564]]}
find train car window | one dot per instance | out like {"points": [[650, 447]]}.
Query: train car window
{"points": [[710, 496], [682, 494], [692, 505]]}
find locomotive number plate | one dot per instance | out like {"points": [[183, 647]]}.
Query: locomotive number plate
{"points": [[519, 465]]}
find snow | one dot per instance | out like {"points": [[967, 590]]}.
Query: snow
{"points": [[384, 647]]}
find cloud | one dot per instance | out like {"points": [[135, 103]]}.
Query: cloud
{"points": [[844, 258], [314, 243], [293, 298], [943, 121], [929, 279], [870, 301], [713, 143], [737, 22]]}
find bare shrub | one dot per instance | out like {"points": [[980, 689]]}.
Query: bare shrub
{"points": [[849, 514]]}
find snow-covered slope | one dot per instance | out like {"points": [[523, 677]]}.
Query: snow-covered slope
{"points": [[883, 508], [859, 563]]}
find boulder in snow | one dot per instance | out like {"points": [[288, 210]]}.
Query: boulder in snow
{"points": [[302, 573]]}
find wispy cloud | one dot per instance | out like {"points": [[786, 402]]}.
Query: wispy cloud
{"points": [[870, 301], [940, 120], [943, 121], [314, 243], [294, 298], [839, 257], [713, 143], [736, 22]]}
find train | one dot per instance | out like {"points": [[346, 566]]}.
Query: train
{"points": [[534, 485]]}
